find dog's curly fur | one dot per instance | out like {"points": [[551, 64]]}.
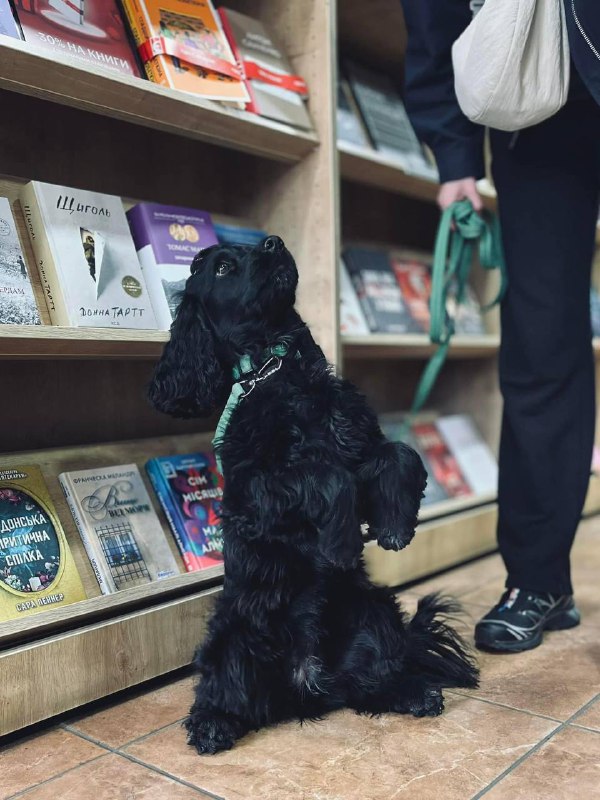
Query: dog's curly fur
{"points": [[298, 630]]}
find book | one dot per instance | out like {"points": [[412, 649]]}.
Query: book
{"points": [[467, 316], [89, 31], [444, 465], [182, 45], [17, 301], [378, 291], [275, 91], [118, 526], [350, 127], [37, 570], [414, 278], [395, 430], [229, 233], [474, 457], [8, 24], [86, 258], [352, 319], [386, 120], [190, 490], [166, 239]]}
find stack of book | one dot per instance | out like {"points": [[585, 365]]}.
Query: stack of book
{"points": [[99, 266], [122, 532], [458, 461], [227, 56], [388, 292], [371, 114]]}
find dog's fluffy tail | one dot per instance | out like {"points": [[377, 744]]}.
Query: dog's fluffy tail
{"points": [[435, 650]]}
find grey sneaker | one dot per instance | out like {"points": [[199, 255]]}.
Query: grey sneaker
{"points": [[518, 621]]}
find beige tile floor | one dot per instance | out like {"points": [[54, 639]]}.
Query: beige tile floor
{"points": [[532, 730]]}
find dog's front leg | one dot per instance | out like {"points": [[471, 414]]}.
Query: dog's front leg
{"points": [[330, 504], [393, 479]]}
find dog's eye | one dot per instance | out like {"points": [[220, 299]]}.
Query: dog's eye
{"points": [[223, 268]]}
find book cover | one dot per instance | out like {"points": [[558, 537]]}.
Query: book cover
{"points": [[414, 278], [394, 429], [90, 31], [352, 319], [119, 528], [166, 239], [275, 91], [229, 233], [17, 301], [37, 570], [190, 490], [595, 310], [378, 291], [86, 258], [350, 127], [474, 457], [182, 45], [444, 465], [467, 317], [386, 119], [8, 24]]}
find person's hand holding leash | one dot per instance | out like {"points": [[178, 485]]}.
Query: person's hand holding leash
{"points": [[463, 189]]}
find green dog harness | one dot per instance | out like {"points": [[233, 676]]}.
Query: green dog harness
{"points": [[243, 386]]}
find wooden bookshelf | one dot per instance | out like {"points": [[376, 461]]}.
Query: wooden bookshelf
{"points": [[390, 346], [63, 79], [437, 545], [49, 341], [368, 167]]}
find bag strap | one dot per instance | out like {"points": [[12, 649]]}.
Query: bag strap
{"points": [[460, 233]]}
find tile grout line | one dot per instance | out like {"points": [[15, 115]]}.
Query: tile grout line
{"points": [[117, 751], [165, 774], [535, 748], [23, 792], [502, 705], [116, 748]]}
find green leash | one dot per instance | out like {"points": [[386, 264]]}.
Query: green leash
{"points": [[244, 386], [461, 233]]}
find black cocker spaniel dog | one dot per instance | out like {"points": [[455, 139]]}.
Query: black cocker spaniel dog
{"points": [[299, 630]]}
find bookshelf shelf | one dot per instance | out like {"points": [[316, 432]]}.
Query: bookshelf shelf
{"points": [[438, 544], [370, 168], [64, 81], [55, 342], [455, 505], [406, 346]]}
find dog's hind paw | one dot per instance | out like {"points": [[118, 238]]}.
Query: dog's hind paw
{"points": [[211, 732]]}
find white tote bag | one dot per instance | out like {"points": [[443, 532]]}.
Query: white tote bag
{"points": [[511, 65]]}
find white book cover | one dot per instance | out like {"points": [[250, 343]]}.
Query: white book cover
{"points": [[86, 258], [119, 527], [473, 455], [17, 301], [352, 319]]}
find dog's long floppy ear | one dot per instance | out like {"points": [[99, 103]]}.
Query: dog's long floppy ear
{"points": [[189, 380]]}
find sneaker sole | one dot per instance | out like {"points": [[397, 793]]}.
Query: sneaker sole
{"points": [[561, 621]]}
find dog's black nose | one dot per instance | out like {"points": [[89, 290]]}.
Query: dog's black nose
{"points": [[273, 244]]}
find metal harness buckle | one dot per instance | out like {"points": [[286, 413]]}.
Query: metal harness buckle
{"points": [[261, 374]]}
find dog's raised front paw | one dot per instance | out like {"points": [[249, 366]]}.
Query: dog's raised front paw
{"points": [[210, 731], [393, 539]]}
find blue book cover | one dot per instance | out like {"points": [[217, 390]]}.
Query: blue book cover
{"points": [[234, 234], [190, 491], [8, 24]]}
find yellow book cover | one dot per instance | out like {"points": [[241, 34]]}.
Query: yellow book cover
{"points": [[37, 571], [182, 45]]}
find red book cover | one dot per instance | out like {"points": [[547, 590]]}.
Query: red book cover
{"points": [[443, 464], [414, 279], [91, 31]]}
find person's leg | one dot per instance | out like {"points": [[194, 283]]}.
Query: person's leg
{"points": [[548, 184]]}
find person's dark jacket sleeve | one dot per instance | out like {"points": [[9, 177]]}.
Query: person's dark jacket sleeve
{"points": [[457, 143]]}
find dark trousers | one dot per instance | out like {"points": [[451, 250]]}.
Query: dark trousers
{"points": [[548, 183]]}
